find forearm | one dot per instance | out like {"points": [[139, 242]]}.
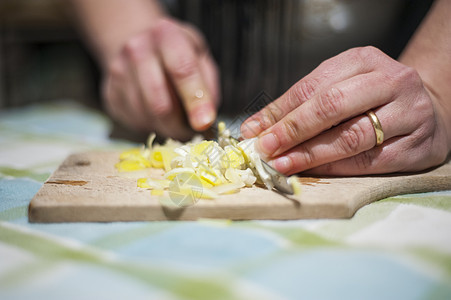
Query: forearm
{"points": [[108, 23], [429, 52]]}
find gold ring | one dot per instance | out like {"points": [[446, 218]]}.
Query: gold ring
{"points": [[377, 127]]}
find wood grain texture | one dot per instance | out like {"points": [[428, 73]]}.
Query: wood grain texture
{"points": [[87, 188]]}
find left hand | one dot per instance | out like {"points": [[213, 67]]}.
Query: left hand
{"points": [[154, 81], [320, 124]]}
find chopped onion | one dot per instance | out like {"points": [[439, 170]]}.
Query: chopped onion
{"points": [[204, 169]]}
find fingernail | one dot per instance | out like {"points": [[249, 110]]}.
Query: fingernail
{"points": [[267, 144], [282, 164], [203, 118], [251, 129]]}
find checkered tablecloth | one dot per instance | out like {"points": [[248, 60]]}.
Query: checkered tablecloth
{"points": [[396, 248]]}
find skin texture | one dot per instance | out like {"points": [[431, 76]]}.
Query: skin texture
{"points": [[158, 74], [319, 125]]}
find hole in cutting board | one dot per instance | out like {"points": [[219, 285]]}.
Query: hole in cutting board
{"points": [[82, 163], [68, 182]]}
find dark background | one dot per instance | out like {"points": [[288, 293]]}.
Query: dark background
{"points": [[42, 57]]}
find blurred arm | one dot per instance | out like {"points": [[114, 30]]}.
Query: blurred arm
{"points": [[429, 52], [108, 23]]}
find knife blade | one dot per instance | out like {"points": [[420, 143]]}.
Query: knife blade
{"points": [[279, 180]]}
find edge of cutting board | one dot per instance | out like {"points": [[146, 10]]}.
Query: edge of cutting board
{"points": [[87, 188]]}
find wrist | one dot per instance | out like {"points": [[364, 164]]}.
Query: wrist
{"points": [[443, 111], [109, 25], [117, 39]]}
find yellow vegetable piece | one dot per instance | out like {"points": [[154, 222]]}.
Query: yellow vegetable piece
{"points": [[205, 183], [161, 157], [142, 183], [221, 127], [211, 179], [201, 148], [132, 152], [243, 153], [157, 192], [156, 158], [176, 171], [196, 192], [233, 158], [132, 165], [168, 156], [296, 184]]}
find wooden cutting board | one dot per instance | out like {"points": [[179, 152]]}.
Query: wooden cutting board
{"points": [[87, 188]]}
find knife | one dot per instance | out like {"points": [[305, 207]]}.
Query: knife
{"points": [[279, 180]]}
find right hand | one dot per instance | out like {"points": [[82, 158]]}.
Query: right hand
{"points": [[161, 77]]}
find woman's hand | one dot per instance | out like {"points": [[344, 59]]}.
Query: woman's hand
{"points": [[320, 124], [161, 77]]}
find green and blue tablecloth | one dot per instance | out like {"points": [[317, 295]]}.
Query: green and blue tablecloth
{"points": [[396, 248]]}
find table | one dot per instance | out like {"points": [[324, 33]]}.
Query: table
{"points": [[396, 248]]}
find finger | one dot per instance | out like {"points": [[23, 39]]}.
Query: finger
{"points": [[207, 64], [197, 38], [112, 101], [169, 124], [149, 75], [121, 98], [340, 102], [162, 109], [378, 160], [346, 140], [182, 64], [174, 124], [407, 153], [210, 72], [137, 113], [339, 68]]}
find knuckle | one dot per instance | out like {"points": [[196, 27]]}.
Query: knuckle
{"points": [[158, 107], [275, 111], [329, 105], [116, 69], [160, 110], [162, 25], [407, 74], [196, 37], [403, 81], [290, 130], [364, 160], [305, 158], [364, 55], [184, 66], [367, 52], [266, 118], [302, 91], [157, 89], [351, 139], [137, 48], [329, 168]]}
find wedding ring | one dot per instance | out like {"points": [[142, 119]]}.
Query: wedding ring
{"points": [[377, 127]]}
